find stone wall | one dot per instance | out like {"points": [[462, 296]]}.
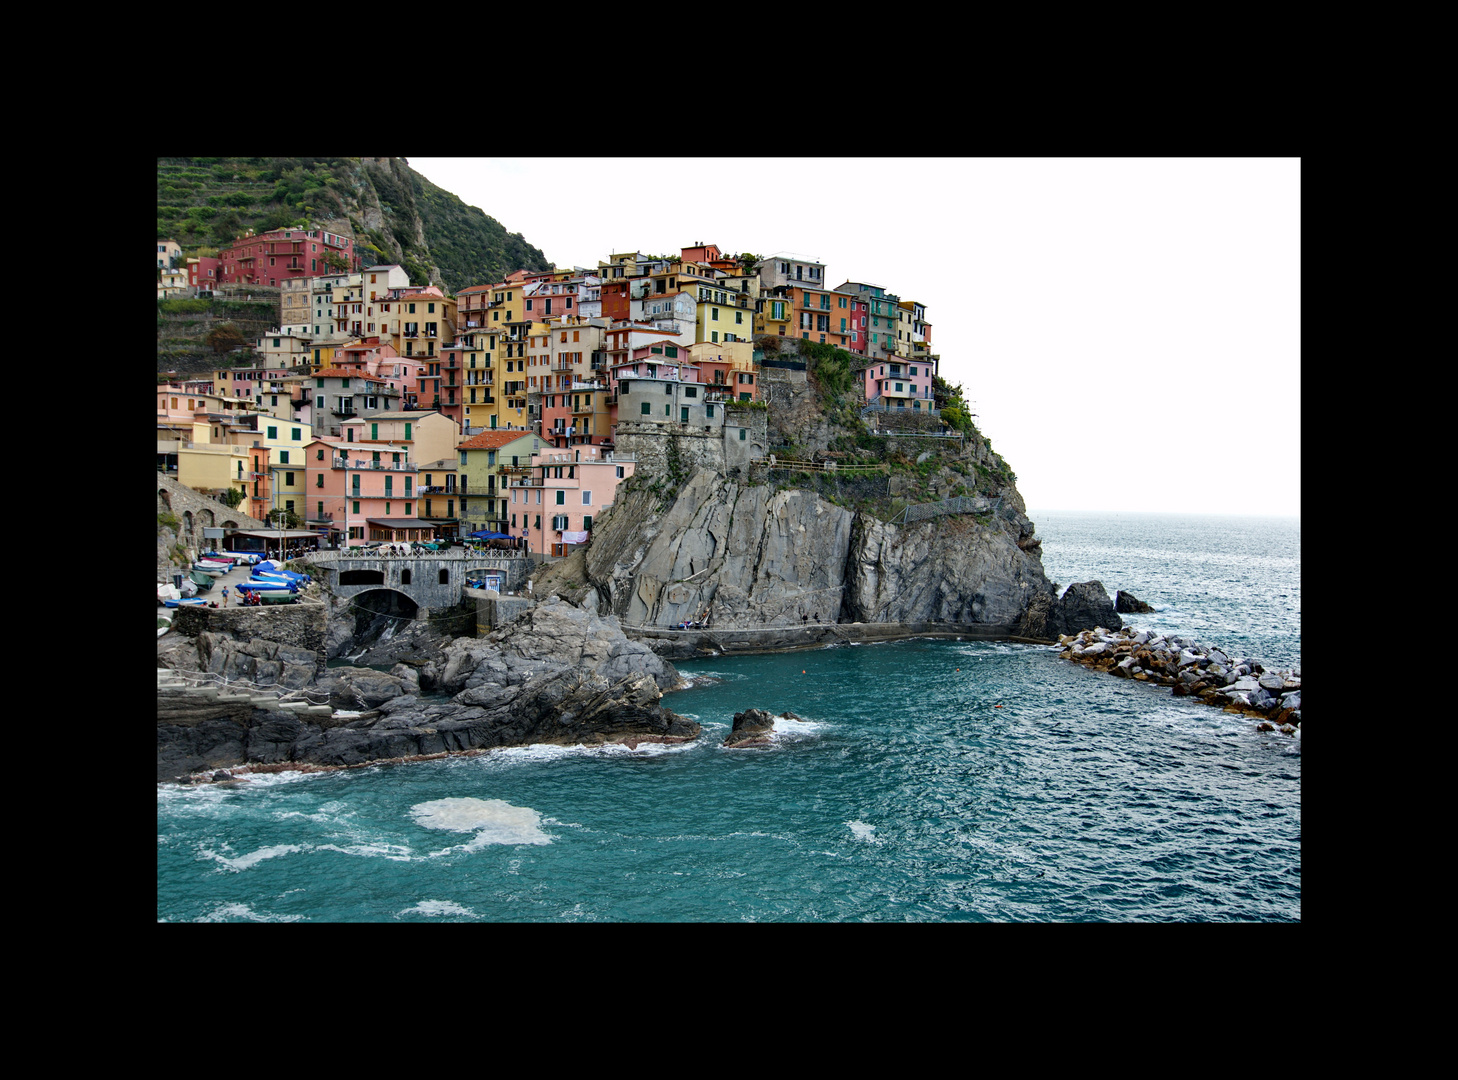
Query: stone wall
{"points": [[302, 625], [194, 512], [720, 450], [496, 611]]}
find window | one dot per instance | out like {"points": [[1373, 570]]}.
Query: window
{"points": [[288, 479], [273, 433], [561, 497], [683, 414], [319, 480], [709, 411], [742, 433], [646, 408]]}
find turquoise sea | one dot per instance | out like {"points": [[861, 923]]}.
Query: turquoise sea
{"points": [[930, 781]]}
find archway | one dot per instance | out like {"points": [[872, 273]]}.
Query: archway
{"points": [[380, 614]]}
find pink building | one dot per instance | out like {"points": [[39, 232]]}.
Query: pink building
{"points": [[553, 507], [361, 493]]}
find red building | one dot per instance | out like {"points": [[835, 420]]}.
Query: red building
{"points": [[203, 275], [276, 256]]}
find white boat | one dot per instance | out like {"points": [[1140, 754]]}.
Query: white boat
{"points": [[257, 585]]}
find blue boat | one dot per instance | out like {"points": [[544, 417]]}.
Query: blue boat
{"points": [[259, 586]]}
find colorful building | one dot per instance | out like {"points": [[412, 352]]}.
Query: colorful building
{"points": [[271, 257], [484, 468], [363, 493], [554, 506]]}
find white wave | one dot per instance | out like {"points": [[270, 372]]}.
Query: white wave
{"points": [[720, 676], [433, 908], [253, 858], [228, 912], [397, 852], [492, 820], [786, 726], [863, 831], [544, 752]]}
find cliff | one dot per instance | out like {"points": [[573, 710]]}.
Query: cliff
{"points": [[744, 555]]}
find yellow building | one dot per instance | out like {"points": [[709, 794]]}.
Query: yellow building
{"points": [[285, 441], [210, 467], [427, 435], [481, 484], [723, 313], [774, 315]]}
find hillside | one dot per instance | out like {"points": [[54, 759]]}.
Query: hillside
{"points": [[395, 214]]}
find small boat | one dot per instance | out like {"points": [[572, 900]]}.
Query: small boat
{"points": [[213, 570], [203, 581], [255, 585], [278, 597], [280, 575], [232, 558], [194, 601]]}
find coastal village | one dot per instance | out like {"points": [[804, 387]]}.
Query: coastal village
{"points": [[414, 462], [379, 412]]}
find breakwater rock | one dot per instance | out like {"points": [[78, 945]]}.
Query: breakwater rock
{"points": [[1237, 683]]}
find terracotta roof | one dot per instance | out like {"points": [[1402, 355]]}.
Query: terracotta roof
{"points": [[491, 440]]}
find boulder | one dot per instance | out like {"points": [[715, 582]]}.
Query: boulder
{"points": [[752, 728], [1129, 604], [1085, 605]]}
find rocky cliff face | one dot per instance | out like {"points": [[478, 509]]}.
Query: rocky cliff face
{"points": [[750, 556]]}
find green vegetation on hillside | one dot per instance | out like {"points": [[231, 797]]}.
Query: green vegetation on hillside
{"points": [[430, 232]]}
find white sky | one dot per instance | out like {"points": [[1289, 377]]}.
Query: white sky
{"points": [[1128, 331]]}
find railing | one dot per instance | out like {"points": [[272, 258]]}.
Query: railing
{"points": [[821, 466], [960, 504], [379, 466]]}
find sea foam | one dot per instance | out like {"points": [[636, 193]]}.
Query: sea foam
{"points": [[492, 820]]}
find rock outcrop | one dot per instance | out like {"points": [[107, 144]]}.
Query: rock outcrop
{"points": [[752, 727], [559, 674], [1128, 604]]}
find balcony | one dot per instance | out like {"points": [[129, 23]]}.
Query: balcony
{"points": [[376, 466]]}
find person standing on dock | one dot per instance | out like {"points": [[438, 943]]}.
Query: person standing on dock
{"points": [[225, 596]]}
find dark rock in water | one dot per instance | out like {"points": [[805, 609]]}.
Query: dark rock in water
{"points": [[1084, 606], [1129, 604], [220, 775], [752, 727]]}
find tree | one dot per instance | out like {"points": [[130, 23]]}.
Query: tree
{"points": [[231, 497], [335, 261], [953, 407], [225, 337]]}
